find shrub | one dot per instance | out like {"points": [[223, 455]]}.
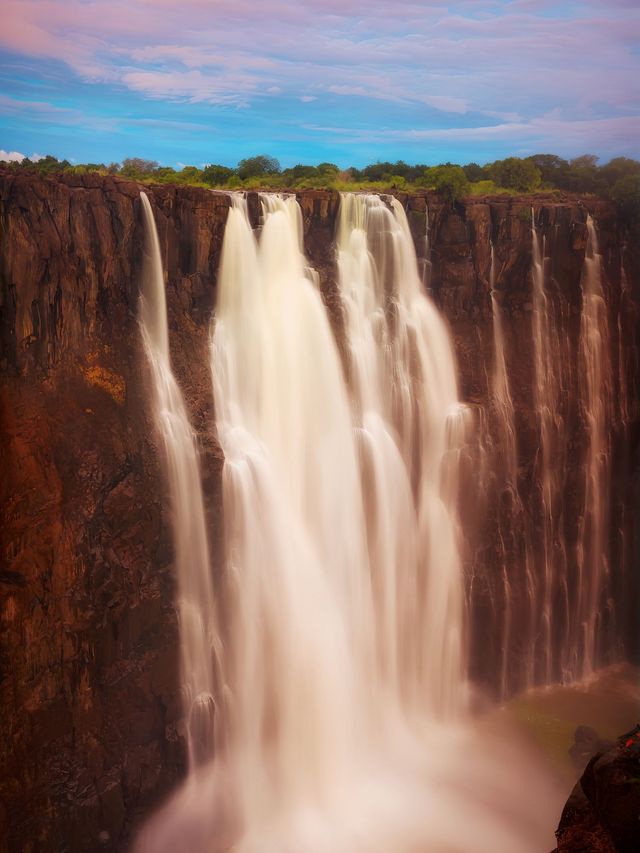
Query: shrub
{"points": [[215, 175], [626, 193], [255, 167], [515, 174], [448, 181]]}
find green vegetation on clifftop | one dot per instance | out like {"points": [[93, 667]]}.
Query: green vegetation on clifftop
{"points": [[618, 180]]}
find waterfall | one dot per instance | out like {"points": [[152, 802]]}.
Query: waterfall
{"points": [[593, 560], [550, 586], [340, 689], [555, 607], [500, 384], [195, 593], [507, 449], [411, 428], [298, 599]]}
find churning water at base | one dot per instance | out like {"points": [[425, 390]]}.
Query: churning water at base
{"points": [[341, 723]]}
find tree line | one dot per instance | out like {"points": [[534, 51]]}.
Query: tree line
{"points": [[619, 179]]}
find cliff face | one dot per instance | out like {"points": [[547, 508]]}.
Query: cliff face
{"points": [[509, 528], [89, 683]]}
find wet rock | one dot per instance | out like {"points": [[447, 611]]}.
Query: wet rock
{"points": [[604, 808], [587, 742]]}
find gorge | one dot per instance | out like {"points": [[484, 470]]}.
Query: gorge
{"points": [[517, 480]]}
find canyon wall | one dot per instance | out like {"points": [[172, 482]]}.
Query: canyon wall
{"points": [[89, 685]]}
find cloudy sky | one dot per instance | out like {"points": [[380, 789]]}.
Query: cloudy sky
{"points": [[198, 81]]}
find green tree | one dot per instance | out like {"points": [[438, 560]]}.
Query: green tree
{"points": [[618, 168], [135, 167], [165, 175], [397, 182], [353, 174], [189, 175], [626, 193], [376, 171], [448, 180], [386, 171], [256, 167], [584, 176], [553, 169], [328, 169], [473, 172], [215, 175], [47, 165], [515, 174], [297, 174], [585, 161]]}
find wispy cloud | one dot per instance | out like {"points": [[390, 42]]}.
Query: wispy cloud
{"points": [[602, 132], [191, 85], [44, 112]]}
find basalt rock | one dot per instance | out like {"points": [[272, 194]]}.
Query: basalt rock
{"points": [[603, 811], [90, 712]]}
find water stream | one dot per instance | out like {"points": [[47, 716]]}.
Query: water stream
{"points": [[196, 601]]}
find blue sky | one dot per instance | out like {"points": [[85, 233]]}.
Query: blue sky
{"points": [[200, 81]]}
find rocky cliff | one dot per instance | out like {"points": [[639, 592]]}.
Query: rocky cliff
{"points": [[89, 688], [601, 815]]}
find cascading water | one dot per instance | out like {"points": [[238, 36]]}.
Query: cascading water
{"points": [[623, 414], [500, 384], [411, 426], [593, 597], [343, 652], [507, 468], [569, 609], [196, 607], [298, 600], [551, 575]]}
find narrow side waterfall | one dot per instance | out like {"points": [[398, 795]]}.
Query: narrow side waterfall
{"points": [[196, 608], [593, 598], [512, 532], [500, 384], [550, 592]]}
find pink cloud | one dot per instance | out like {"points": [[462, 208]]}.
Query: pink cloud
{"points": [[11, 156], [192, 85], [17, 157], [453, 58]]}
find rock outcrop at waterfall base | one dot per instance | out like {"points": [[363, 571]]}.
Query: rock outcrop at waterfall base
{"points": [[89, 683], [602, 815]]}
